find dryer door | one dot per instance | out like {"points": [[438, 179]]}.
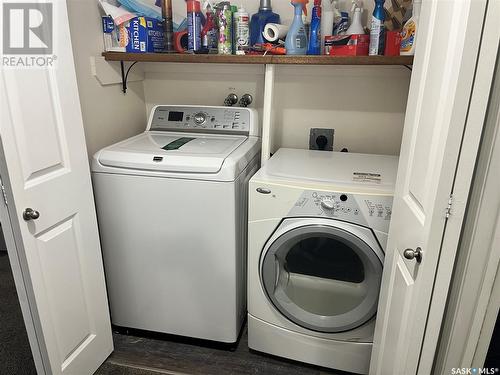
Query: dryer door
{"points": [[322, 274]]}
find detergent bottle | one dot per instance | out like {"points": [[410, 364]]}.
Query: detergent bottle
{"points": [[296, 39], [409, 31], [260, 19], [314, 47]]}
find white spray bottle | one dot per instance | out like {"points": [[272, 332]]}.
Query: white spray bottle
{"points": [[356, 14]]}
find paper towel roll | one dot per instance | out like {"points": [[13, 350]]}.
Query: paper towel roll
{"points": [[274, 31]]}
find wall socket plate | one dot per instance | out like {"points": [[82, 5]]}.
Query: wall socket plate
{"points": [[321, 139]]}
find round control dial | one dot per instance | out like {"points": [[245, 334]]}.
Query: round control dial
{"points": [[327, 204], [200, 118]]}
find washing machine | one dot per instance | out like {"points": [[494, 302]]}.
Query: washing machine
{"points": [[318, 224], [172, 212]]}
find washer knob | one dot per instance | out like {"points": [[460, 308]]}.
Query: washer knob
{"points": [[327, 204], [200, 118]]}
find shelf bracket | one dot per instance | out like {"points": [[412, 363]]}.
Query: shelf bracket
{"points": [[125, 74]]}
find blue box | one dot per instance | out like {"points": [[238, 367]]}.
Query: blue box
{"points": [[138, 35]]}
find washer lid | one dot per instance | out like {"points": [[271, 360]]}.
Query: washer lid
{"points": [[172, 152]]}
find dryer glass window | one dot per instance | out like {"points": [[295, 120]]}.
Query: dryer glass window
{"points": [[322, 278], [325, 275]]}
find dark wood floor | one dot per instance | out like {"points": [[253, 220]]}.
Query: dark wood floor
{"points": [[193, 358]]}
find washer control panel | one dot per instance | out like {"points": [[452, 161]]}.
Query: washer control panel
{"points": [[203, 119], [372, 211]]}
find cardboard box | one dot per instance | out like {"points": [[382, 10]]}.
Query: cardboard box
{"points": [[139, 35], [347, 45]]}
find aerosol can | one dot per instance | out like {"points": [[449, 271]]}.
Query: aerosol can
{"points": [[377, 31], [242, 30]]}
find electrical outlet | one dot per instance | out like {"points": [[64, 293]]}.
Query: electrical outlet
{"points": [[321, 139]]}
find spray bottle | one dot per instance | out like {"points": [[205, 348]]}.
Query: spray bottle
{"points": [[356, 24], [296, 39], [377, 31], [314, 47]]}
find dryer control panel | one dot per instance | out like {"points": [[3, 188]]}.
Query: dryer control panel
{"points": [[228, 120], [373, 211]]}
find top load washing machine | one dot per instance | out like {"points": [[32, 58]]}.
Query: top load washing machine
{"points": [[318, 224], [172, 212]]}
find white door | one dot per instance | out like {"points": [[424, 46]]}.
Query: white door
{"points": [[46, 160], [440, 91]]}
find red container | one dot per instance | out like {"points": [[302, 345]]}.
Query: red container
{"points": [[347, 45], [392, 43]]}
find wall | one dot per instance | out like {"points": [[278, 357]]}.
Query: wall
{"points": [[365, 105], [108, 114]]}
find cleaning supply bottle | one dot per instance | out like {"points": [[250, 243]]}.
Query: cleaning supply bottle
{"points": [[330, 15], [234, 9], [209, 31], [225, 24], [377, 31], [409, 31], [340, 28], [356, 24], [241, 31], [260, 19], [314, 47], [296, 39], [194, 25]]}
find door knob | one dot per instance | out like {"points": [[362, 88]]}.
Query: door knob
{"points": [[30, 214], [413, 254]]}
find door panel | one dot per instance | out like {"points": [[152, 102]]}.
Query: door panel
{"points": [[439, 96], [46, 159], [65, 299]]}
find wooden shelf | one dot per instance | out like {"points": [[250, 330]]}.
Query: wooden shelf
{"points": [[255, 59]]}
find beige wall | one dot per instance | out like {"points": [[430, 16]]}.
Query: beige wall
{"points": [[365, 105], [108, 114]]}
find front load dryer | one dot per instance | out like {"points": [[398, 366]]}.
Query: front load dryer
{"points": [[318, 224], [172, 212]]}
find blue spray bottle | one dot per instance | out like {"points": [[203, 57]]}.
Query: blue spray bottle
{"points": [[296, 39], [314, 47]]}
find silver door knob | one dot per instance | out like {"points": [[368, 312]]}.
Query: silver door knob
{"points": [[30, 214], [413, 254]]}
